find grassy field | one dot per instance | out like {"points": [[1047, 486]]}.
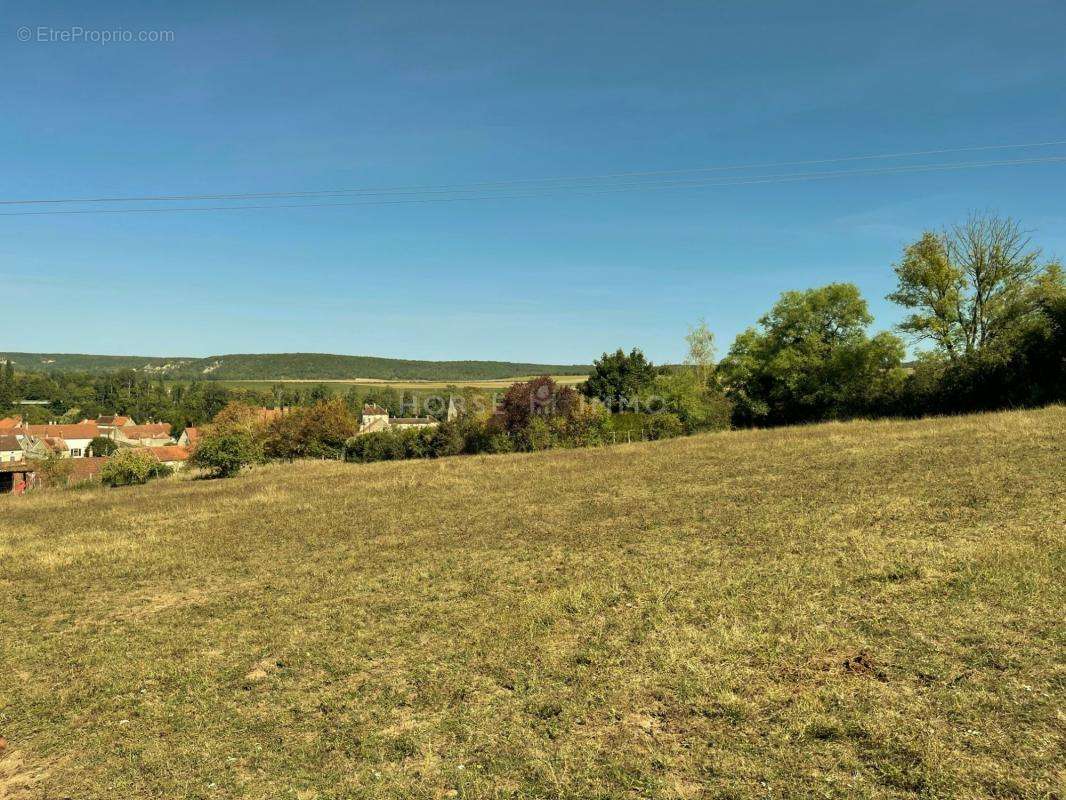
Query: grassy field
{"points": [[844, 610]]}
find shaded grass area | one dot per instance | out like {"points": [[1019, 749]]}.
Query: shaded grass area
{"points": [[844, 610]]}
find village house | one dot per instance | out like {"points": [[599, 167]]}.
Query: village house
{"points": [[11, 449], [108, 422], [86, 469], [376, 419], [71, 441], [155, 434], [406, 423], [172, 456], [10, 422], [189, 438], [17, 477]]}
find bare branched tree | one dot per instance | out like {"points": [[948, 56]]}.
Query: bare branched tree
{"points": [[968, 285]]}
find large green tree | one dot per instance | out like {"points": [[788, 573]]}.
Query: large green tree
{"points": [[7, 385], [971, 286], [618, 379], [811, 359]]}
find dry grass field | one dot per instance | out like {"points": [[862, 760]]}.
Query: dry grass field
{"points": [[844, 610]]}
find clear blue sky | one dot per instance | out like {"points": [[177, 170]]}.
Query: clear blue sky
{"points": [[260, 97]]}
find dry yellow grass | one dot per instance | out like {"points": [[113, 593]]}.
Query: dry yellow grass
{"points": [[844, 610]]}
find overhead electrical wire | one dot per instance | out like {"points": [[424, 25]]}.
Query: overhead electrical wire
{"points": [[469, 192]]}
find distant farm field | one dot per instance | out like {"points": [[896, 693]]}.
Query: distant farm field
{"points": [[843, 610], [341, 386]]}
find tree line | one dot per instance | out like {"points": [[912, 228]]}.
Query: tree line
{"points": [[988, 308], [72, 396]]}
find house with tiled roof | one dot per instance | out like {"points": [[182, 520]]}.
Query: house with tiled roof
{"points": [[113, 421], [10, 422], [11, 448], [173, 455], [74, 439], [58, 445], [407, 423], [153, 434], [376, 419], [86, 469], [189, 438]]}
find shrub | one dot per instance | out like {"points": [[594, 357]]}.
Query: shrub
{"points": [[237, 417], [447, 440], [102, 446], [587, 426], [627, 426], [698, 403], [536, 435], [131, 467], [664, 426], [538, 398], [380, 446], [225, 454], [55, 469], [318, 431]]}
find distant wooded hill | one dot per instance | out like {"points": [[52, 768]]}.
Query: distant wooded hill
{"points": [[288, 366]]}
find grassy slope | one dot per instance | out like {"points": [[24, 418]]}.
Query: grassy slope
{"points": [[292, 366], [658, 620]]}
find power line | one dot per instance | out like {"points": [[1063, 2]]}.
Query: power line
{"points": [[548, 191], [489, 185]]}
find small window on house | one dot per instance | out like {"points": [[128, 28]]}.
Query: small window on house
{"points": [[75, 452]]}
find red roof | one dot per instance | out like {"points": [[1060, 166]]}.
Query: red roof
{"points": [[80, 431], [55, 443], [148, 431], [114, 421], [86, 468], [11, 422], [171, 452]]}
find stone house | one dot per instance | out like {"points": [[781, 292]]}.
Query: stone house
{"points": [[376, 419], [70, 440]]}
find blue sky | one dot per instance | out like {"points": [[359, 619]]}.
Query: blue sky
{"points": [[262, 97]]}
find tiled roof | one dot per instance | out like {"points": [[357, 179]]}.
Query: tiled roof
{"points": [[86, 468], [372, 410], [171, 452], [9, 443], [81, 431], [114, 420], [55, 443], [147, 431], [412, 421], [10, 422]]}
